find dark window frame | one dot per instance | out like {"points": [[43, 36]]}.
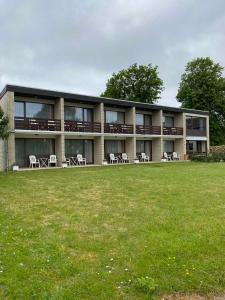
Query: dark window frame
{"points": [[83, 108], [116, 112], [25, 109]]}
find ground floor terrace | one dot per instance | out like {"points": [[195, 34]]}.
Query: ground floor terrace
{"points": [[97, 149], [124, 232]]}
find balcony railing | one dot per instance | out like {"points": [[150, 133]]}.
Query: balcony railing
{"points": [[196, 132], [78, 126], [142, 129], [37, 124], [172, 131], [118, 128]]}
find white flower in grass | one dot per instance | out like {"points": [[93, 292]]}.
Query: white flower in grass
{"points": [[21, 264], [119, 287], [110, 271], [126, 269], [111, 259]]}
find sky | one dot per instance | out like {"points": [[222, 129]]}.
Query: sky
{"points": [[75, 45]]}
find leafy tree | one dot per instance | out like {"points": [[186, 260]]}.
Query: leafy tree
{"points": [[4, 134], [202, 87], [137, 83], [3, 126]]}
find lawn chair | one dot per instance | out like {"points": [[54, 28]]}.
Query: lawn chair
{"points": [[144, 157], [52, 160], [175, 156], [34, 162], [165, 155], [113, 159], [81, 159], [125, 158]]}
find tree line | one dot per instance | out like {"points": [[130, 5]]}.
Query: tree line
{"points": [[202, 87]]}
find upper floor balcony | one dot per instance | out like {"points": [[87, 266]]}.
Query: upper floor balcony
{"points": [[37, 124], [146, 129], [118, 128], [82, 126], [172, 131], [195, 126]]}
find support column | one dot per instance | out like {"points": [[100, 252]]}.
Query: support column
{"points": [[98, 150], [130, 148], [130, 117], [157, 119], [99, 115], [60, 149], [59, 111], [157, 149], [179, 148], [207, 134]]}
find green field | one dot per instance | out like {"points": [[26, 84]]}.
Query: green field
{"points": [[120, 232]]}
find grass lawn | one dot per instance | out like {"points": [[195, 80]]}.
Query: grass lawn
{"points": [[123, 232]]}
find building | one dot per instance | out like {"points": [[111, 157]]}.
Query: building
{"points": [[44, 122]]}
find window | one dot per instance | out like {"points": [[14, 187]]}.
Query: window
{"points": [[144, 147], [39, 110], [115, 117], [139, 119], [195, 147], [84, 147], [168, 146], [72, 113], [19, 109], [113, 146], [37, 147], [33, 110], [195, 124], [168, 121]]}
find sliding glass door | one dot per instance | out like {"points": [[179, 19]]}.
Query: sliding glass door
{"points": [[114, 146], [37, 147], [144, 147], [84, 147]]}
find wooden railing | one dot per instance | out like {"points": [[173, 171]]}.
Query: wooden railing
{"points": [[172, 131], [196, 132], [118, 128], [37, 124], [142, 129], [77, 126]]}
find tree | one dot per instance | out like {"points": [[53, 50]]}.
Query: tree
{"points": [[202, 87], [4, 134], [137, 83]]}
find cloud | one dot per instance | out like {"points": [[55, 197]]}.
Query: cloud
{"points": [[76, 45]]}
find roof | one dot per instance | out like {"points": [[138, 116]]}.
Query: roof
{"points": [[50, 94]]}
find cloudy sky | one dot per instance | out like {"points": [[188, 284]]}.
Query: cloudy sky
{"points": [[75, 45]]}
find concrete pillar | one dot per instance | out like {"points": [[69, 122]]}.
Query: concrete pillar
{"points": [[59, 111], [130, 148], [179, 120], [157, 149], [157, 119], [99, 115], [98, 150], [130, 117], [60, 149], [180, 147]]}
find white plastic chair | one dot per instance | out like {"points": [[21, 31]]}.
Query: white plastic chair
{"points": [[52, 160], [175, 156], [165, 155], [81, 159], [113, 159], [34, 161], [125, 158], [144, 157]]}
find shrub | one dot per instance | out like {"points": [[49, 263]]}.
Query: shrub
{"points": [[211, 157], [146, 285]]}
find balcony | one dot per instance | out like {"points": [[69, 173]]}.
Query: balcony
{"points": [[172, 131], [142, 129], [80, 126], [118, 128], [196, 132], [37, 124]]}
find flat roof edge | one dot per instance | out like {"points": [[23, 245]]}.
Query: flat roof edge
{"points": [[112, 101]]}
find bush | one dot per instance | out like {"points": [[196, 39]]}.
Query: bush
{"points": [[211, 157], [146, 285]]}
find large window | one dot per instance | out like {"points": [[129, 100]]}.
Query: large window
{"points": [[112, 146], [72, 113], [144, 147], [168, 121], [195, 124], [84, 147], [37, 147], [33, 110], [168, 146], [193, 147], [115, 117], [143, 120]]}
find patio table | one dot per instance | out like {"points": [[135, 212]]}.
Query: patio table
{"points": [[43, 162], [73, 161]]}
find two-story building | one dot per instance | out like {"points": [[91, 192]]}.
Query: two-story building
{"points": [[44, 122]]}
